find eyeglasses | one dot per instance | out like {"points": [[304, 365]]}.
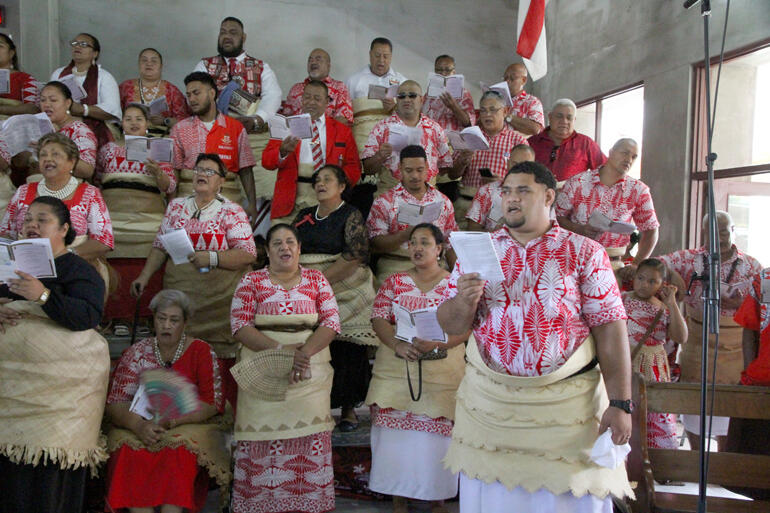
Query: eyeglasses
{"points": [[411, 96], [490, 111], [206, 171], [81, 44], [553, 153]]}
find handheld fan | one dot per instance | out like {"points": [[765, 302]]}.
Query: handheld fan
{"points": [[170, 394]]}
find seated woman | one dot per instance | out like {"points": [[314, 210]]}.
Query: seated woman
{"points": [[54, 370], [149, 87], [410, 438], [134, 193], [167, 464], [58, 155], [224, 249], [334, 241], [283, 454], [102, 101]]}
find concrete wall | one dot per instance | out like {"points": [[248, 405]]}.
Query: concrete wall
{"points": [[283, 33], [596, 46]]}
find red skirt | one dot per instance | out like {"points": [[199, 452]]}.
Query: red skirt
{"points": [[121, 304], [144, 479]]}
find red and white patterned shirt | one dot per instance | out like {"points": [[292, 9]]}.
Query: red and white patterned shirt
{"points": [[340, 104], [435, 109], [198, 364], [256, 294], [383, 216], [220, 227], [88, 213], [688, 261], [433, 140], [23, 88], [191, 137], [112, 159], [84, 138], [640, 316], [488, 200], [495, 158], [628, 200], [177, 102], [527, 106], [556, 288]]}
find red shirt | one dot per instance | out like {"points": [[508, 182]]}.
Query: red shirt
{"points": [[177, 103], [577, 153], [24, 88], [753, 315]]}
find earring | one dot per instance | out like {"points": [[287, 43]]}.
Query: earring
{"points": [[68, 112]]}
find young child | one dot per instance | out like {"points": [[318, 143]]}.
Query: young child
{"points": [[645, 309]]}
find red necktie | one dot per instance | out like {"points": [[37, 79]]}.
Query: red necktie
{"points": [[315, 147]]}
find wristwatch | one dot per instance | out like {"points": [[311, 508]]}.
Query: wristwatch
{"points": [[627, 405], [43, 297]]}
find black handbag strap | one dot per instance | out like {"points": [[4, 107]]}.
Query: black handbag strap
{"points": [[419, 380]]}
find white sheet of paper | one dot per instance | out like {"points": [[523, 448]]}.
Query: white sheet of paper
{"points": [[427, 326], [158, 106], [279, 127], [412, 215], [436, 85], [21, 130], [78, 93], [137, 149], [500, 87], [454, 85], [32, 256], [141, 404], [301, 126], [401, 136], [178, 245], [161, 150], [405, 329], [378, 92], [5, 81], [622, 227], [602, 222], [477, 254], [471, 138]]}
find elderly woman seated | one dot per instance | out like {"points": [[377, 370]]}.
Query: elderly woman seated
{"points": [[166, 463], [54, 370]]}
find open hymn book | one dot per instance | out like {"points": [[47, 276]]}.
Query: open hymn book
{"points": [[421, 323], [500, 87], [605, 224], [439, 84], [412, 215], [298, 126], [32, 256], [471, 138], [378, 92], [139, 149]]}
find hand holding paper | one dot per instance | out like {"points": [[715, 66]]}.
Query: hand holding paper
{"points": [[178, 246], [378, 92], [471, 138], [476, 254]]}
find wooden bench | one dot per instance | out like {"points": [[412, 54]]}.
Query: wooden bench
{"points": [[645, 466]]}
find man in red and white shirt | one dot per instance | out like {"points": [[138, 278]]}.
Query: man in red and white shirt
{"points": [[563, 150], [526, 114], [209, 131], [486, 212], [611, 193], [449, 112], [318, 66], [494, 161], [252, 74], [558, 288], [387, 235], [378, 155]]}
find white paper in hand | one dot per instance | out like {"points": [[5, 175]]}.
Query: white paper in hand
{"points": [[158, 106], [32, 256], [606, 454], [161, 150], [401, 136], [77, 91], [300, 126], [178, 245], [476, 254], [136, 148], [5, 81], [141, 404], [471, 138], [500, 87], [378, 92]]}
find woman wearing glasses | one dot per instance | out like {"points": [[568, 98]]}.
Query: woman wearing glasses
{"points": [[224, 249], [102, 100]]}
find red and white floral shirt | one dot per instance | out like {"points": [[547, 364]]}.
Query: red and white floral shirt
{"points": [[628, 200], [640, 316], [256, 294], [527, 106], [433, 140], [221, 226], [556, 288], [112, 160], [435, 109], [495, 158], [340, 104], [177, 102], [84, 138], [487, 206], [738, 272], [383, 216]]}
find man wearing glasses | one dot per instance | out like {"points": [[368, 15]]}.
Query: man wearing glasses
{"points": [[561, 149], [379, 156], [449, 112]]}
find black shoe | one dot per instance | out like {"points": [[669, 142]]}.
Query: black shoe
{"points": [[347, 426]]}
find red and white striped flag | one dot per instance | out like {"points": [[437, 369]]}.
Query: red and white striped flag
{"points": [[531, 37]]}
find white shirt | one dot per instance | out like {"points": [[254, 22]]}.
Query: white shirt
{"points": [[306, 145], [108, 95], [358, 83], [271, 92]]}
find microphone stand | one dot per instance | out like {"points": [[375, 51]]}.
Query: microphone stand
{"points": [[710, 275]]}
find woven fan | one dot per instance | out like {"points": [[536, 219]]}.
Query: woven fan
{"points": [[170, 394], [266, 374]]}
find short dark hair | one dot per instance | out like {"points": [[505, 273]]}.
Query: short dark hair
{"points": [[150, 49], [342, 178], [381, 41], [202, 77], [280, 226], [63, 89], [413, 151], [12, 46], [233, 19], [318, 83], [442, 57], [541, 173], [62, 214], [214, 158], [656, 265], [434, 230]]}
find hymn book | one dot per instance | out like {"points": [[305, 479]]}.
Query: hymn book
{"points": [[471, 138], [32, 256], [5, 81], [401, 136], [476, 254], [243, 103], [421, 323], [139, 149], [298, 126], [605, 224], [438, 85], [78, 93], [500, 87], [18, 132], [378, 92], [158, 106], [412, 215]]}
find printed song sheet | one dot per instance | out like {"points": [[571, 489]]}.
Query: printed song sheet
{"points": [[178, 246], [476, 254]]}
